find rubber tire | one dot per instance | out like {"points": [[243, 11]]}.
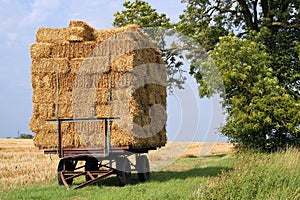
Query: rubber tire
{"points": [[69, 166], [91, 164], [143, 168], [123, 171]]}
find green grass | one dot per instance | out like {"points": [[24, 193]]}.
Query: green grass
{"points": [[247, 176], [258, 176]]}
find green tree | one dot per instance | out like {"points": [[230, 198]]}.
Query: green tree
{"points": [[255, 46], [26, 136], [156, 26], [142, 14]]}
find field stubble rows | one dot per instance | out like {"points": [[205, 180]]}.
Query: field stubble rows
{"points": [[22, 163]]}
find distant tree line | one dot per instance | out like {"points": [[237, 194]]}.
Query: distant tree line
{"points": [[25, 136]]}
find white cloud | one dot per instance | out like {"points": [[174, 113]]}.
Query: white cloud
{"points": [[97, 13], [40, 11], [11, 38]]}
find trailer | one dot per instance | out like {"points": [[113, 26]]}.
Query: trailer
{"points": [[99, 162]]}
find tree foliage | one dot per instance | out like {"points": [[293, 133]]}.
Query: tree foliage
{"points": [[261, 114], [156, 26], [142, 14], [255, 47]]}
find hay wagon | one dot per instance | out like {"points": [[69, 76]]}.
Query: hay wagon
{"points": [[99, 162], [81, 75]]}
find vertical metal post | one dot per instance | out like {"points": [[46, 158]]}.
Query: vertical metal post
{"points": [[60, 150], [107, 121], [56, 106]]}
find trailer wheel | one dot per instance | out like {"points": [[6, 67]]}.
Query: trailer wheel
{"points": [[69, 166], [123, 171], [91, 164], [143, 168]]}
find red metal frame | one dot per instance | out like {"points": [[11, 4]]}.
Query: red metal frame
{"points": [[85, 153]]}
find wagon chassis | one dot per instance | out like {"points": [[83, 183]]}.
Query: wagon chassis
{"points": [[100, 162]]}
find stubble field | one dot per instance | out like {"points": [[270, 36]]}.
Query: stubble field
{"points": [[21, 163], [193, 171]]}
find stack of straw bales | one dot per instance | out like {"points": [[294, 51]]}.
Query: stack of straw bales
{"points": [[79, 72]]}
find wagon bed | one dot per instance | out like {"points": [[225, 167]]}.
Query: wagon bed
{"points": [[100, 162]]}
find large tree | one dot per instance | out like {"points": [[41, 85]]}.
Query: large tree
{"points": [[157, 26], [255, 47]]}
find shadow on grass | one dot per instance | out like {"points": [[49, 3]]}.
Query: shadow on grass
{"points": [[164, 176], [196, 172], [214, 156]]}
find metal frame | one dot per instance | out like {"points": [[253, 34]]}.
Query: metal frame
{"points": [[60, 149], [84, 154]]}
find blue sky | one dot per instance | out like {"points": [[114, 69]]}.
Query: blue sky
{"points": [[19, 21]]}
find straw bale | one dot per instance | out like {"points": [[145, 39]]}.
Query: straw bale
{"points": [[72, 50], [48, 80], [52, 35], [48, 95], [81, 31], [113, 47], [48, 110], [119, 137], [80, 34], [95, 64], [91, 133], [40, 50], [50, 65], [101, 96], [103, 35], [123, 63], [77, 31], [145, 56], [156, 95], [75, 64]]}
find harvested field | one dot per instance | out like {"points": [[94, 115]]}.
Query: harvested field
{"points": [[22, 163]]}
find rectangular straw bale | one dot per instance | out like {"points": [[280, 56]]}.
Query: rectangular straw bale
{"points": [[48, 95], [80, 31], [48, 80], [48, 110], [102, 111], [123, 63], [101, 96], [113, 80], [103, 35], [114, 47], [77, 34], [156, 94], [92, 65], [49, 65], [145, 56], [119, 137], [45, 110], [52, 35], [77, 31], [41, 80], [72, 50], [75, 64], [40, 50], [45, 139]]}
